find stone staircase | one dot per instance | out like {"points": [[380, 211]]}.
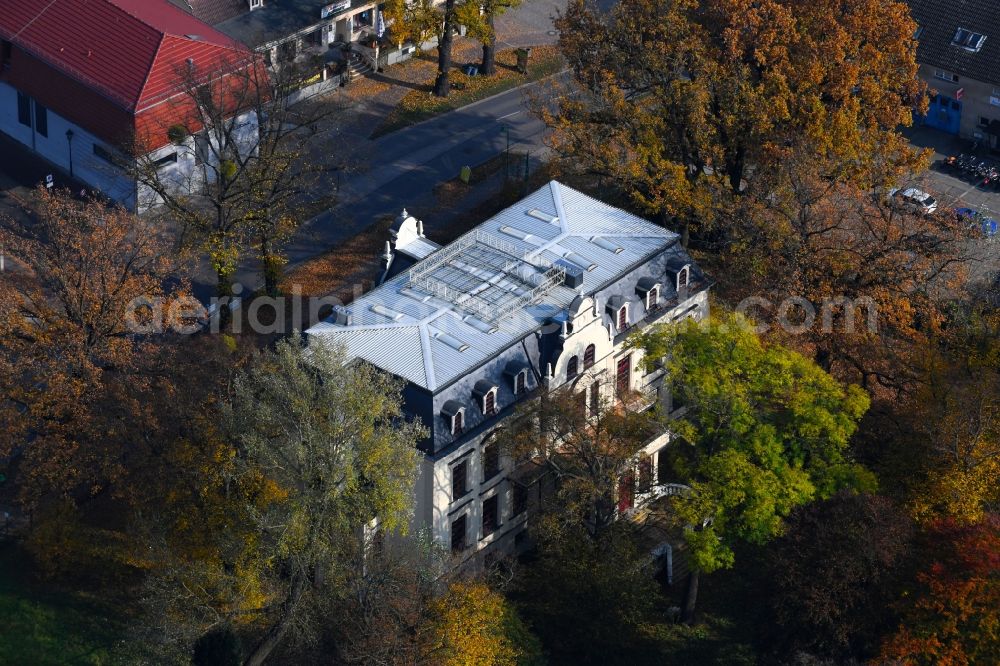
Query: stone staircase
{"points": [[357, 66]]}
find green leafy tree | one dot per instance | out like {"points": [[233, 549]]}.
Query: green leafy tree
{"points": [[309, 453], [765, 430]]}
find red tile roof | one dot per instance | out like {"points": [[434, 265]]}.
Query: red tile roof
{"points": [[128, 50]]}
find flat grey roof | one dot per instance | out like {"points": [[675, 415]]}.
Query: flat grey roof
{"points": [[467, 302]]}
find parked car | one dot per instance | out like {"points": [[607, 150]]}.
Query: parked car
{"points": [[977, 219], [915, 199]]}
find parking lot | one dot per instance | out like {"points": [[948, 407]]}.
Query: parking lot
{"points": [[950, 188]]}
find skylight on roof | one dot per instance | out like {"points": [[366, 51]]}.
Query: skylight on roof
{"points": [[968, 40], [544, 217], [600, 241], [516, 233], [386, 312], [479, 324], [449, 340]]}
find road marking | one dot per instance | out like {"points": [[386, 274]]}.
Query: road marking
{"points": [[514, 113]]}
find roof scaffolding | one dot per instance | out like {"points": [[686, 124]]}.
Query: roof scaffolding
{"points": [[486, 276]]}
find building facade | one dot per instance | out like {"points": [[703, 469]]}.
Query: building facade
{"points": [[958, 49], [83, 83], [541, 296]]}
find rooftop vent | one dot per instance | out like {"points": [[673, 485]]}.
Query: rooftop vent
{"points": [[544, 217], [600, 241], [342, 317], [574, 274]]}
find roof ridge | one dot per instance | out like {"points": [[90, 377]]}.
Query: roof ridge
{"points": [[137, 18], [146, 79]]}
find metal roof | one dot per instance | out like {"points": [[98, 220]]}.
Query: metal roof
{"points": [[467, 302]]}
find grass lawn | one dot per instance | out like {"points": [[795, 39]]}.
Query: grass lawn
{"points": [[40, 625], [418, 105]]}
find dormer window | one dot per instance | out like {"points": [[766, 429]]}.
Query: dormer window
{"points": [[572, 368], [517, 371], [617, 308], [648, 289], [485, 393], [683, 276], [454, 414], [968, 40]]}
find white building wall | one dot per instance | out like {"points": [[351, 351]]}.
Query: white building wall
{"points": [[100, 174], [87, 166], [435, 506]]}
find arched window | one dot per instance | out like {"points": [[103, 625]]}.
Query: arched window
{"points": [[456, 423], [572, 368], [589, 356], [519, 382], [653, 298], [490, 402], [623, 317], [682, 278]]}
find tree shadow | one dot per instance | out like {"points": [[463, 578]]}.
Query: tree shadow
{"points": [[381, 77]]}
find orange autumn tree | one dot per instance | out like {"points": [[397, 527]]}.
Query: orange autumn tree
{"points": [[683, 103], [472, 625], [863, 284], [70, 366], [953, 617]]}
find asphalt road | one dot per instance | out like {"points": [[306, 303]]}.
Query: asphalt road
{"points": [[406, 165]]}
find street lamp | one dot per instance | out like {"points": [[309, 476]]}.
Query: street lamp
{"points": [[69, 140]]}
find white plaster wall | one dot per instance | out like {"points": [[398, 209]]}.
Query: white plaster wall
{"points": [[101, 174], [87, 166]]}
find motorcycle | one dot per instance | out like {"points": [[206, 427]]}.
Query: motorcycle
{"points": [[991, 177], [966, 164], [981, 170]]}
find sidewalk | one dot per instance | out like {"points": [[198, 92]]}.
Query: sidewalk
{"points": [[21, 171]]}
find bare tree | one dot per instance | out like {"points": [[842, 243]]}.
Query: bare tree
{"points": [[239, 174]]}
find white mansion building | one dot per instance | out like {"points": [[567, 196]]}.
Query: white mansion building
{"points": [[541, 295]]}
